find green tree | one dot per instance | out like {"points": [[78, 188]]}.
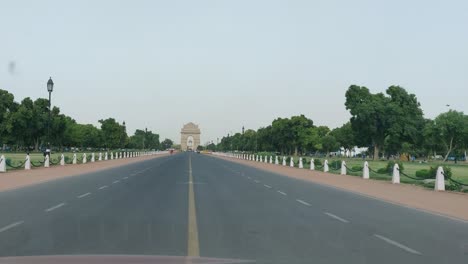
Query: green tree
{"points": [[376, 118], [329, 143], [450, 131], [344, 135], [114, 134], [166, 144], [7, 107]]}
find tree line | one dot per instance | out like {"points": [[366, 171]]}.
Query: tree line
{"points": [[390, 123], [24, 125]]}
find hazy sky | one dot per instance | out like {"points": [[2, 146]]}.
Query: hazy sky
{"points": [[228, 64]]}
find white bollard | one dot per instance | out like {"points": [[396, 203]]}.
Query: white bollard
{"points": [[112, 155], [47, 161], [261, 158], [27, 162], [291, 162], [256, 158], [271, 159], [84, 158], [92, 157], [74, 158], [312, 164], [365, 171], [100, 156], [106, 156], [62, 160], [284, 161], [301, 165], [2, 164], [396, 174], [440, 180], [276, 160], [325, 166], [343, 167], [266, 159]]}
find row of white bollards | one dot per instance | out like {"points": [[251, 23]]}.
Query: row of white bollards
{"points": [[439, 182], [47, 163]]}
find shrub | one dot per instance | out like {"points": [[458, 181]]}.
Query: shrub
{"points": [[431, 173], [383, 171], [317, 162], [391, 164], [336, 164], [425, 174], [447, 171]]}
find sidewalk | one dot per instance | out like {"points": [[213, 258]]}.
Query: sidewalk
{"points": [[20, 178], [449, 204]]}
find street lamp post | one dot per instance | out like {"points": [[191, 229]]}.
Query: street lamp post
{"points": [[50, 88]]}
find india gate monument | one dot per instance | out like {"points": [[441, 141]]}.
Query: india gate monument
{"points": [[189, 137]]}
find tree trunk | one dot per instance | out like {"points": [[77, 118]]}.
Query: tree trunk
{"points": [[295, 151], [376, 152], [449, 150]]}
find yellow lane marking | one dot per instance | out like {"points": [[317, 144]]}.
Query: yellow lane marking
{"points": [[193, 249]]}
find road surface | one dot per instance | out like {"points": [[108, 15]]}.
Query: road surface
{"points": [[198, 205]]}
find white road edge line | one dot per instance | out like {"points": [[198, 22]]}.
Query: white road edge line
{"points": [[10, 226], [256, 181], [267, 186], [336, 217], [302, 202], [114, 182], [388, 240], [103, 187], [83, 195], [54, 207], [125, 178], [283, 193]]}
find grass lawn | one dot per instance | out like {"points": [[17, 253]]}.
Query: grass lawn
{"points": [[18, 158], [459, 170]]}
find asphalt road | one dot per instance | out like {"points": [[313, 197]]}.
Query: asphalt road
{"points": [[193, 204]]}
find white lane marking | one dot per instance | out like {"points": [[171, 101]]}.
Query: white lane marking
{"points": [[54, 207], [336, 217], [114, 182], [256, 181], [103, 187], [283, 193], [388, 240], [83, 195], [125, 178], [268, 186], [10, 226], [304, 203]]}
